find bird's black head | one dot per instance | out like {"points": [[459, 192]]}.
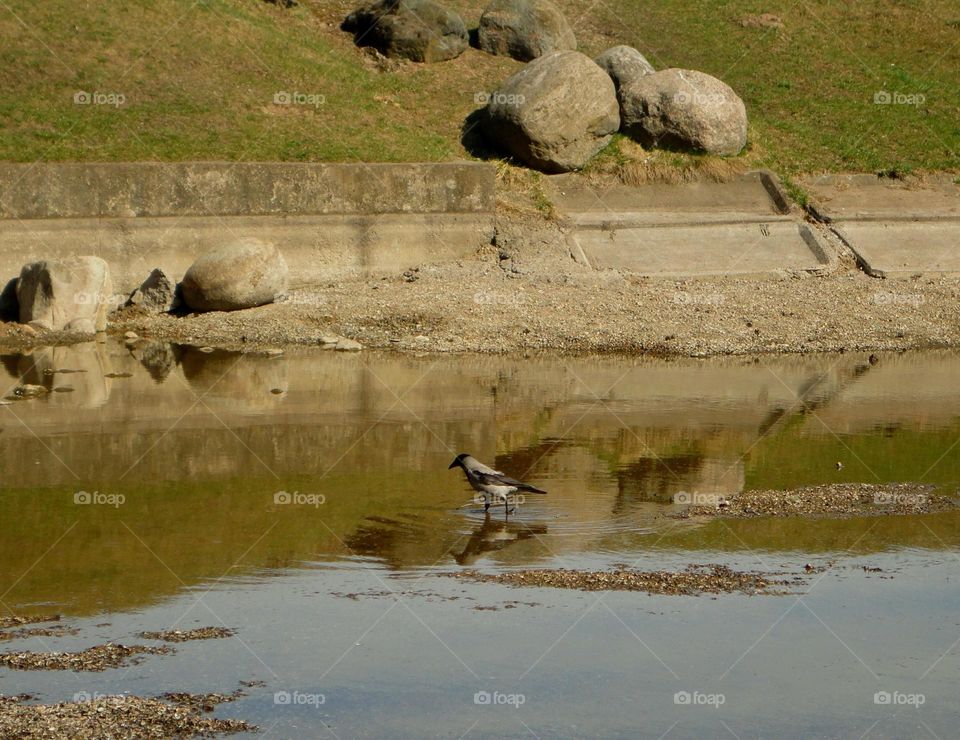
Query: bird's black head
{"points": [[458, 461]]}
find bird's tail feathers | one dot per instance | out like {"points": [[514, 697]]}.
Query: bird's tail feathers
{"points": [[527, 488]]}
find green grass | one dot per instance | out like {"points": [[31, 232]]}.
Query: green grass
{"points": [[199, 81]]}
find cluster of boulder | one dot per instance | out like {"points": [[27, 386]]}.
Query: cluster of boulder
{"points": [[426, 31], [76, 294], [562, 108]]}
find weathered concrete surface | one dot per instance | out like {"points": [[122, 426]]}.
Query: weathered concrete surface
{"points": [[740, 227], [893, 227], [329, 220]]}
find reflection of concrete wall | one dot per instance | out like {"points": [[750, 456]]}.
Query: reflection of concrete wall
{"points": [[912, 388], [665, 426]]}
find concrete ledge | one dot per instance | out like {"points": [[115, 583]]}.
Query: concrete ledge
{"points": [[742, 227], [892, 227], [127, 190], [329, 220]]}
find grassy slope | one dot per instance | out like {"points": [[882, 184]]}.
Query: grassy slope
{"points": [[199, 80]]}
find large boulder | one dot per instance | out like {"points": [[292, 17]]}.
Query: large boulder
{"points": [[524, 29], [686, 109], [555, 113], [624, 64], [71, 294], [420, 30], [242, 274]]}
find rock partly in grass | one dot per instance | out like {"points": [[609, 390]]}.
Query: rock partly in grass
{"points": [[73, 294], [685, 109], [419, 30], [243, 274], [556, 113], [524, 29]]}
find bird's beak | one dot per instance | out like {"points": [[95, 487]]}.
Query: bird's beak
{"points": [[453, 465]]}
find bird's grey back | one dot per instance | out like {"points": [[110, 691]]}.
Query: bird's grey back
{"points": [[472, 464]]}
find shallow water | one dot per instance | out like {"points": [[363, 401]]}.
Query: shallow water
{"points": [[305, 500]]}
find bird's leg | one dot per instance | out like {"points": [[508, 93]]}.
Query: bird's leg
{"points": [[486, 506]]}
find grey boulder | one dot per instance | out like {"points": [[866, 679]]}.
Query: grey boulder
{"points": [[555, 114], [72, 294], [686, 109], [242, 274], [156, 293], [419, 30], [624, 64], [524, 29]]}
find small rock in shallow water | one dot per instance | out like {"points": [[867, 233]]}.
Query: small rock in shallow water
{"points": [[28, 390], [348, 345]]}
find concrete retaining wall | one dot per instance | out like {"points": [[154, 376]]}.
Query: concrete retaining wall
{"points": [[330, 220]]}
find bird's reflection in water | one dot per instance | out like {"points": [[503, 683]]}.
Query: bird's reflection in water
{"points": [[495, 535], [407, 541]]}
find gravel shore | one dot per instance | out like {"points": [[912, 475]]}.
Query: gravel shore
{"points": [[526, 294]]}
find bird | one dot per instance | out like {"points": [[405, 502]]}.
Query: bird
{"points": [[492, 484]]}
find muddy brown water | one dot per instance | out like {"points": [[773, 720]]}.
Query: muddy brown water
{"points": [[304, 500]]}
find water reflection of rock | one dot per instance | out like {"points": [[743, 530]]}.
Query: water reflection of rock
{"points": [[159, 358], [235, 381], [82, 367]]}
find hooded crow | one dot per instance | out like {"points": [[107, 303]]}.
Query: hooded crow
{"points": [[492, 484]]}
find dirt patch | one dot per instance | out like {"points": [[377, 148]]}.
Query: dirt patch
{"points": [[838, 500], [763, 20], [696, 579], [200, 633], [97, 658], [112, 716]]}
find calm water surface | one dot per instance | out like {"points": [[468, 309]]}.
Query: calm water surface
{"points": [[304, 499]]}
